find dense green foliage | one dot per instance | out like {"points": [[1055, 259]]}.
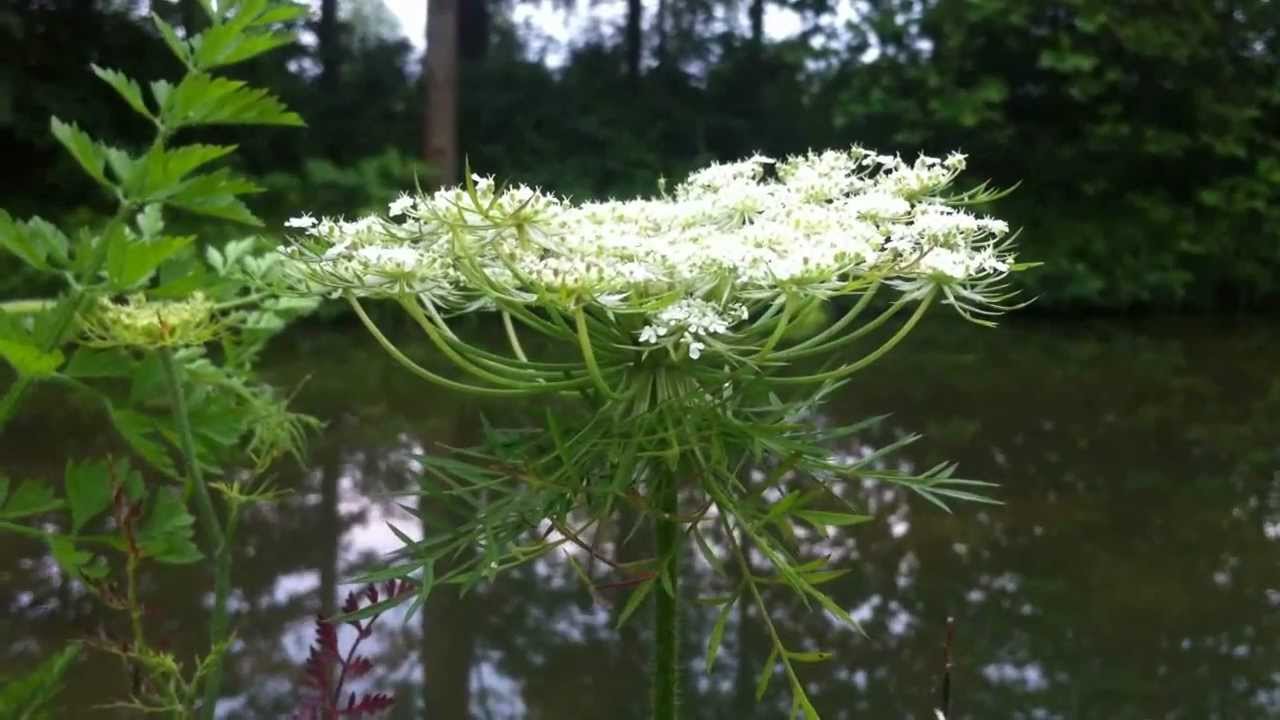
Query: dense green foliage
{"points": [[1144, 136], [168, 369]]}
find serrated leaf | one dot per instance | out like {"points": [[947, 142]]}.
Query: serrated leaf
{"points": [[123, 165], [717, 633], [766, 674], [161, 172], [229, 44], [167, 531], [126, 86], [634, 600], [150, 221], [89, 491], [131, 261], [202, 99], [137, 430], [91, 155], [161, 90], [177, 46], [34, 242], [215, 194], [30, 498]]}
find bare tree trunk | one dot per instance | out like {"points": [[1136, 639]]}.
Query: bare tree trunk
{"points": [[661, 22], [448, 653], [757, 24], [440, 119], [330, 53], [635, 16]]}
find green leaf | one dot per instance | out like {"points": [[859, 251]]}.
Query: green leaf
{"points": [[824, 576], [766, 674], [809, 657], [717, 633], [161, 172], [137, 430], [633, 602], [30, 498], [167, 531], [820, 518], [28, 359], [131, 261], [202, 99], [34, 241], [150, 221], [126, 86], [178, 46], [68, 557], [89, 490], [280, 13], [215, 194], [229, 44], [91, 155], [30, 696]]}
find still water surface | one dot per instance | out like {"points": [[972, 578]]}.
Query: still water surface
{"points": [[1133, 571]]}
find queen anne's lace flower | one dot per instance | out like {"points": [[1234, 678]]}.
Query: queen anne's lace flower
{"points": [[141, 323], [730, 239]]}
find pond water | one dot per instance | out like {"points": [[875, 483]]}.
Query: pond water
{"points": [[1133, 571]]}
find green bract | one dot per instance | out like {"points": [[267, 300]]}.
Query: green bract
{"points": [[684, 326]]}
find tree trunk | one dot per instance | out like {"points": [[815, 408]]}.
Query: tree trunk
{"points": [[473, 30], [448, 652], [757, 24], [635, 15], [661, 22], [330, 53], [440, 119]]}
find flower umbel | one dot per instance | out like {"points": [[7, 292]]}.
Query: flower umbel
{"points": [[151, 324]]}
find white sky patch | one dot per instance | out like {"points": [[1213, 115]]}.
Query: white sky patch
{"points": [[560, 26]]}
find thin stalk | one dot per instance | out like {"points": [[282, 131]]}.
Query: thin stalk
{"points": [[849, 369], [218, 547], [666, 616], [589, 357], [131, 595], [422, 372], [26, 307], [776, 639], [513, 338]]}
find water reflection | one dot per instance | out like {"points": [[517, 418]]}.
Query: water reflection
{"points": [[1130, 574]]}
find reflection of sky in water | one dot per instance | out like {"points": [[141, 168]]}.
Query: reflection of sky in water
{"points": [[1131, 574]]}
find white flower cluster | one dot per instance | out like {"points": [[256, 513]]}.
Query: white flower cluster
{"points": [[691, 321], [729, 238]]}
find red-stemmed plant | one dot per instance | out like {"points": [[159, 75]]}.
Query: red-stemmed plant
{"points": [[327, 669]]}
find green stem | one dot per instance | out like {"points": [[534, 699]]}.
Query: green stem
{"points": [[846, 370], [217, 546], [135, 607], [666, 618]]}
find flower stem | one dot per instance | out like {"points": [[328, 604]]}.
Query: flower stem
{"points": [[666, 618], [218, 548]]}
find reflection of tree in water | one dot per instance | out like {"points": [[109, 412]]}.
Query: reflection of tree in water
{"points": [[1129, 575]]}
